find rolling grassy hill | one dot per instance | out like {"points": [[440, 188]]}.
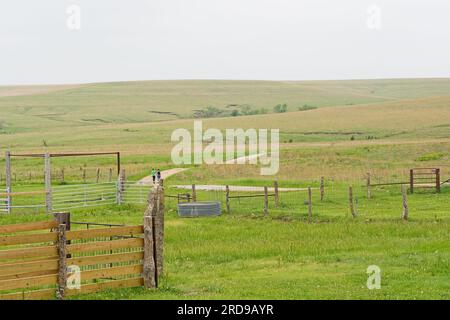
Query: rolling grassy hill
{"points": [[33, 127], [24, 109]]}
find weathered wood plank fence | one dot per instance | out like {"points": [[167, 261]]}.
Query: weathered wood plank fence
{"points": [[38, 264]]}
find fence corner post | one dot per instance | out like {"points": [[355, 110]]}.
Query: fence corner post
{"points": [[154, 238], [159, 233], [63, 218], [149, 269], [62, 262]]}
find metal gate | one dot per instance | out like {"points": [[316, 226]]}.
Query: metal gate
{"points": [[83, 195], [4, 202], [98, 194]]}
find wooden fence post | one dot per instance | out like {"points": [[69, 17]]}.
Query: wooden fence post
{"points": [[350, 199], [63, 218], [62, 175], [154, 238], [369, 187], [309, 204], [8, 180], [149, 269], [438, 180], [227, 195], [121, 187], [266, 201], [322, 188], [405, 213], [98, 175], [159, 233], [194, 193], [110, 175], [48, 183], [276, 196], [62, 262], [411, 181]]}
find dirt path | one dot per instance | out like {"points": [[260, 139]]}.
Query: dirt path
{"points": [[213, 187], [148, 181], [246, 158]]}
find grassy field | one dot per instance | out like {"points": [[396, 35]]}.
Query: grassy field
{"points": [[384, 127]]}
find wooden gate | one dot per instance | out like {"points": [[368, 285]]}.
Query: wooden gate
{"points": [[425, 178]]}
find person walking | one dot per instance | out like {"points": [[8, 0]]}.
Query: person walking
{"points": [[158, 175], [154, 175]]}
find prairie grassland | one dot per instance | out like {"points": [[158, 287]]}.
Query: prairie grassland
{"points": [[383, 127], [418, 119]]}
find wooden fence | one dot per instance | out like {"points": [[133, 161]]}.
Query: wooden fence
{"points": [[45, 260], [418, 178], [425, 178]]}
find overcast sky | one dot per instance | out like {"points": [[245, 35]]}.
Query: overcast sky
{"points": [[222, 39]]}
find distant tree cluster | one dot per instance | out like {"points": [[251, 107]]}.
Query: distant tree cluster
{"points": [[280, 108], [208, 112], [246, 110], [306, 107], [243, 110], [213, 112]]}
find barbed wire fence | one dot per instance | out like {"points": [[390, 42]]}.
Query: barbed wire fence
{"points": [[325, 200], [330, 198]]}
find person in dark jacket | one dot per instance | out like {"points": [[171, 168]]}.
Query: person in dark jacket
{"points": [[158, 175]]}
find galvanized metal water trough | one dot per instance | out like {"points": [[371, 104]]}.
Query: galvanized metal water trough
{"points": [[199, 209]]}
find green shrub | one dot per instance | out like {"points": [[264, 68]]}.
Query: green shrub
{"points": [[431, 156]]}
